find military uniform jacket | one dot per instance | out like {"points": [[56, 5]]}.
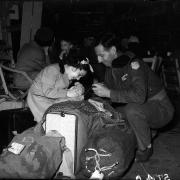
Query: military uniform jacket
{"points": [[133, 83]]}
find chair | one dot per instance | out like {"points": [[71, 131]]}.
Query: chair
{"points": [[154, 62], [5, 85], [12, 97], [171, 74], [12, 100]]}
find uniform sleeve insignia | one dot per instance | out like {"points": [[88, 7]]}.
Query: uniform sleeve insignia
{"points": [[135, 65], [124, 77]]}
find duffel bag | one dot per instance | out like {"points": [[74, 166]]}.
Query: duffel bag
{"points": [[108, 152], [32, 155], [77, 121]]}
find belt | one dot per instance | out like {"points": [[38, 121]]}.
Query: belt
{"points": [[159, 96]]}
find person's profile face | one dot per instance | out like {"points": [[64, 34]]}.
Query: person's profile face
{"points": [[103, 55], [65, 45], [76, 73]]}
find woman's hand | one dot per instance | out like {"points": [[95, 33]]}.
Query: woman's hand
{"points": [[76, 90], [101, 90], [77, 98]]}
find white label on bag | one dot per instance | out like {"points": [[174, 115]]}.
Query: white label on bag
{"points": [[97, 175], [16, 148]]}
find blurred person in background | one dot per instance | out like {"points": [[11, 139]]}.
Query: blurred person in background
{"points": [[33, 57], [66, 43]]}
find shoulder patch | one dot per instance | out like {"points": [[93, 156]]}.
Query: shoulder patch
{"points": [[135, 65]]}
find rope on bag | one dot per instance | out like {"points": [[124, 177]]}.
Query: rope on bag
{"points": [[97, 157]]}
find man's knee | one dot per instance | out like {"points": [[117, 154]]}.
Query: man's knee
{"points": [[132, 109]]}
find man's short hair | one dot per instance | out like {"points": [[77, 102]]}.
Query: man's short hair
{"points": [[110, 39]]}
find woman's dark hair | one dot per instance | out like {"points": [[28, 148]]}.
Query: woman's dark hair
{"points": [[110, 39], [76, 59]]}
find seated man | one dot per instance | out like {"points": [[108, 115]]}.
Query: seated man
{"points": [[145, 104], [66, 43], [33, 57]]}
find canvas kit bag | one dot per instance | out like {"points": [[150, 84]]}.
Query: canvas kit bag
{"points": [[32, 154], [108, 152], [95, 123], [79, 126]]}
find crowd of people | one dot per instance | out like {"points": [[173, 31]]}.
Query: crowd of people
{"points": [[111, 67]]}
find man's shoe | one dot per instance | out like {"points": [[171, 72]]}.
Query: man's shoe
{"points": [[143, 156]]}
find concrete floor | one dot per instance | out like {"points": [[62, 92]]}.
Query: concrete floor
{"points": [[165, 161]]}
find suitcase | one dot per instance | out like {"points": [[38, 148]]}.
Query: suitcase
{"points": [[67, 121], [69, 127]]}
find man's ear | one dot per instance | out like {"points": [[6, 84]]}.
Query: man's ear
{"points": [[113, 50], [73, 69], [71, 45]]}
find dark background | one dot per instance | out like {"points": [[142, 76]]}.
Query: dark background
{"points": [[155, 22]]}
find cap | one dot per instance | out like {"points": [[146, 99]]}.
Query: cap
{"points": [[133, 39]]}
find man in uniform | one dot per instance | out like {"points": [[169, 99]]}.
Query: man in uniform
{"points": [[145, 106]]}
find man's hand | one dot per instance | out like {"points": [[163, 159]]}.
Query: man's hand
{"points": [[101, 90], [62, 54]]}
